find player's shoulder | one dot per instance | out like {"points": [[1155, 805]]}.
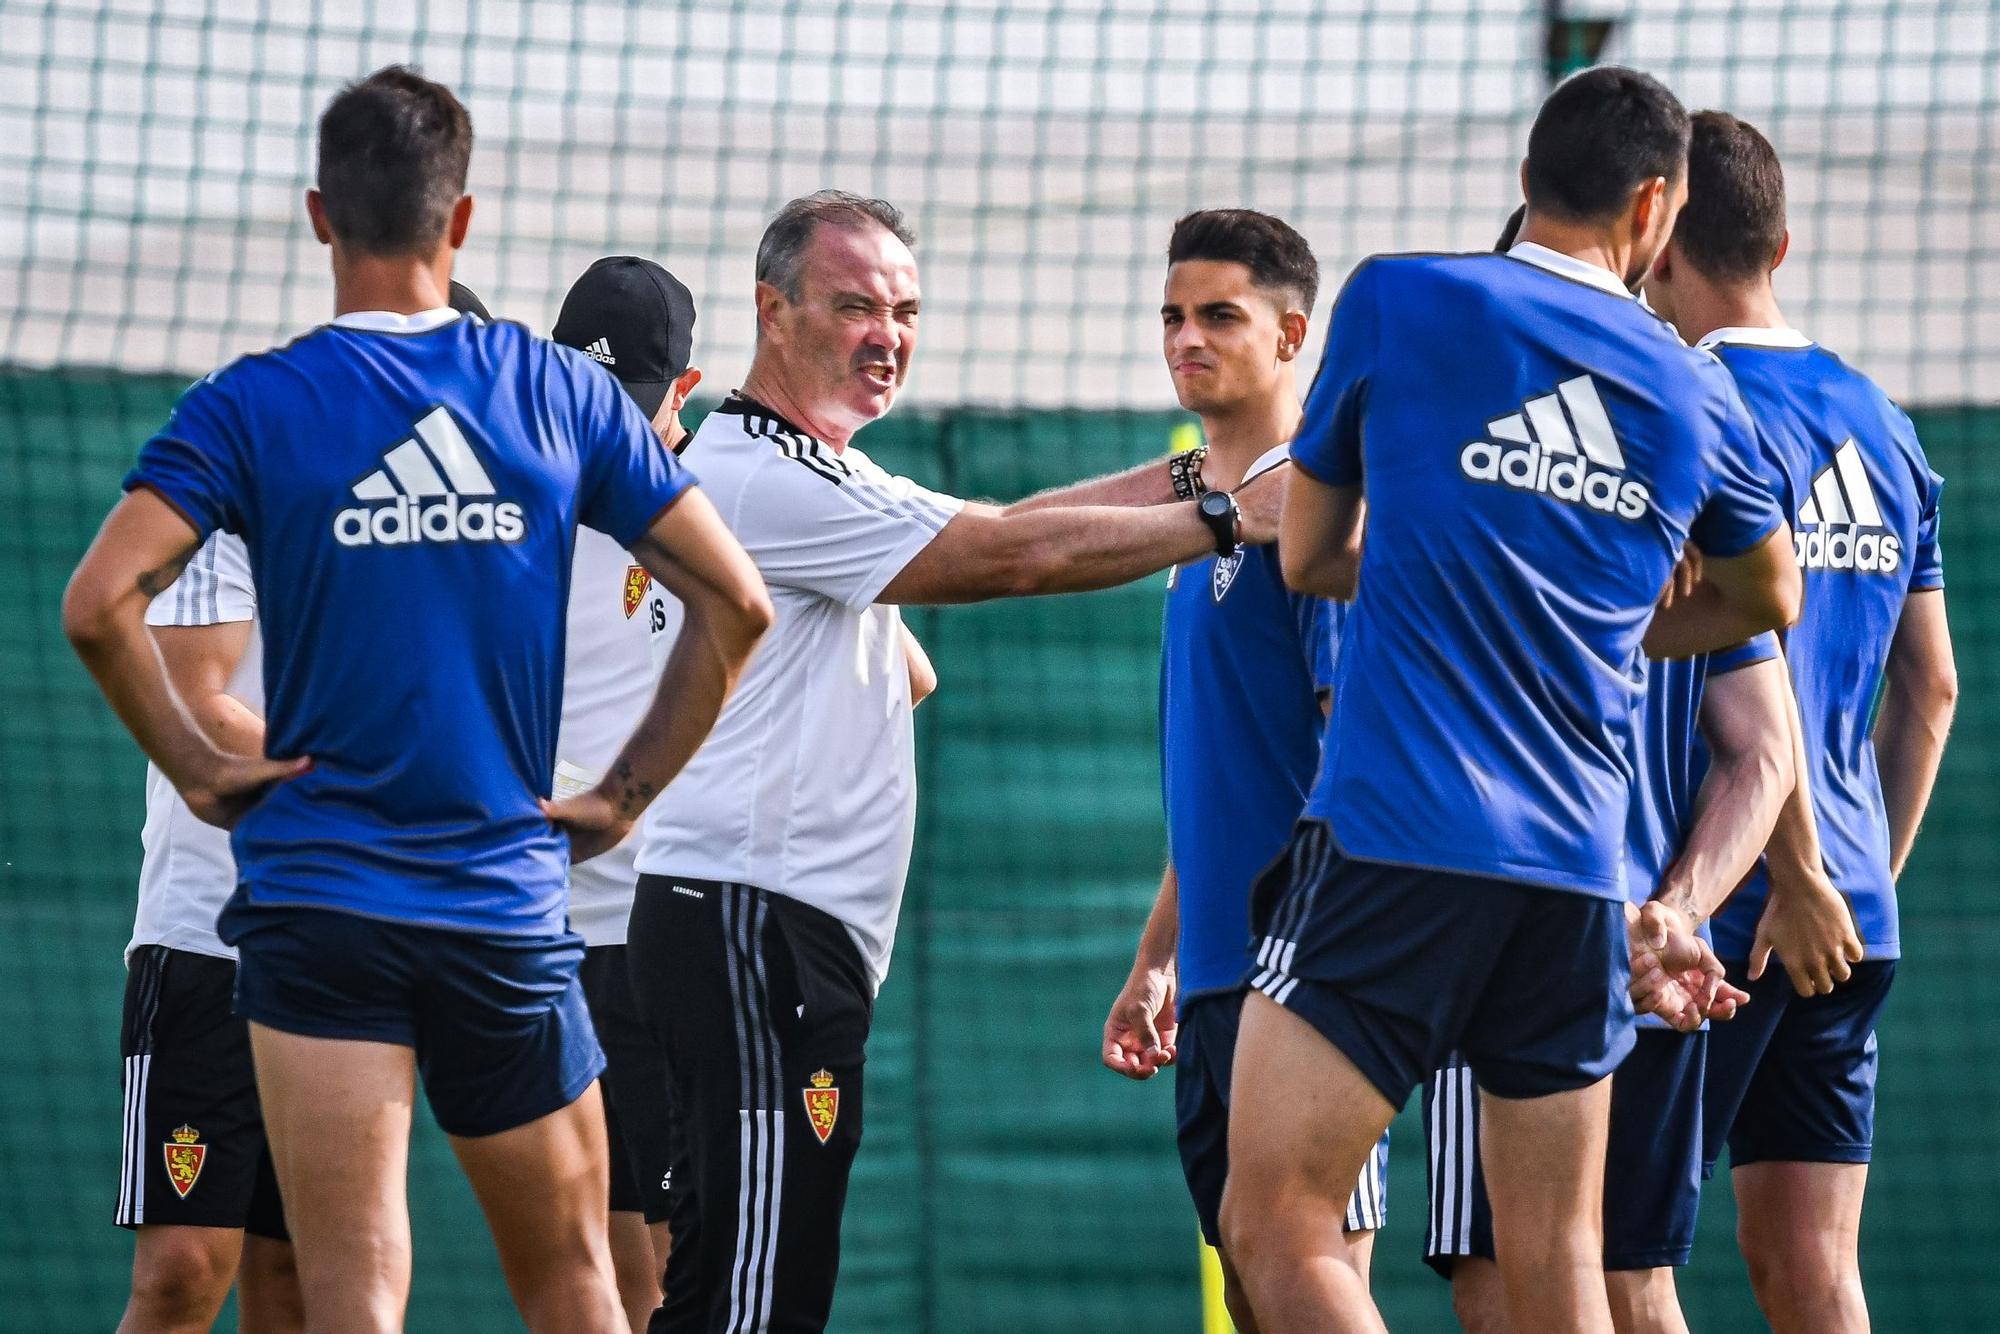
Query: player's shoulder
{"points": [[1819, 378], [1865, 390], [1405, 269]]}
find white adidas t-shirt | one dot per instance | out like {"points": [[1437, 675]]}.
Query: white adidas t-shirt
{"points": [[807, 786], [188, 872], [608, 679]]}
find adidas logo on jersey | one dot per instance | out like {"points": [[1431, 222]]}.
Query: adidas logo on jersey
{"points": [[425, 480], [601, 351], [1832, 532], [1570, 456]]}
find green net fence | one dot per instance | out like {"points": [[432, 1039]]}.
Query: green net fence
{"points": [[151, 161]]}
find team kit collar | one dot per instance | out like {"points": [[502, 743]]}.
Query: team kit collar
{"points": [[1747, 337], [389, 321], [1569, 266]]}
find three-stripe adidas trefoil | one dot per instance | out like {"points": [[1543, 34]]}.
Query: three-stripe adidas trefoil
{"points": [[1560, 445], [424, 481], [1841, 526]]}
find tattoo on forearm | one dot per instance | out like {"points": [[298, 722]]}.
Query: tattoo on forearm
{"points": [[1681, 900], [629, 793]]}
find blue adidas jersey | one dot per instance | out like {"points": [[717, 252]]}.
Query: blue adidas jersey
{"points": [[1536, 448], [1865, 505], [409, 501], [1242, 662]]}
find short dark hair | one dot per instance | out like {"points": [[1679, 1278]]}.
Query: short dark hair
{"points": [[393, 152], [1734, 222], [781, 252], [1276, 255], [1511, 230], [1600, 135]]}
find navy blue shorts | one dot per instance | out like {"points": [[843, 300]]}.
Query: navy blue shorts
{"points": [[498, 1023], [1399, 967], [1205, 1048], [1791, 1079], [1652, 1161]]}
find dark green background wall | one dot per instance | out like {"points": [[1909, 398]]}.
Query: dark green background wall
{"points": [[1007, 1183]]}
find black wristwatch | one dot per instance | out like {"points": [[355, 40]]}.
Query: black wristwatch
{"points": [[1218, 510]]}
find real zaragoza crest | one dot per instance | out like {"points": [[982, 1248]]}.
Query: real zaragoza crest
{"points": [[822, 1104], [637, 581], [1225, 574], [184, 1159]]}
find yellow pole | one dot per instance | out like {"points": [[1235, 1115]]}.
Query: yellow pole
{"points": [[1214, 1315]]}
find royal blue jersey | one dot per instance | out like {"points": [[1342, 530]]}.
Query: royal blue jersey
{"points": [[408, 490], [1242, 663], [1535, 447], [1865, 504]]}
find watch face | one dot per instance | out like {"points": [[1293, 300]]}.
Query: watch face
{"points": [[1215, 504]]}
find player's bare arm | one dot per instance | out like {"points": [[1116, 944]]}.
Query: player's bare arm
{"points": [[1746, 722], [1916, 714], [726, 611], [923, 674], [200, 660], [1319, 540], [1140, 1030], [1806, 920], [141, 549], [1738, 598]]}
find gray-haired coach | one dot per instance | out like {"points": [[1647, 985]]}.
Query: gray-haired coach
{"points": [[772, 870]]}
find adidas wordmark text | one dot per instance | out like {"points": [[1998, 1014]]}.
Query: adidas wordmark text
{"points": [[1572, 457], [424, 480], [1840, 526]]}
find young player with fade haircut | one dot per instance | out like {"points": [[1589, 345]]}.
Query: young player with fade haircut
{"points": [[1713, 761], [197, 1186], [772, 872], [1245, 671], [407, 482], [1535, 450], [1791, 1084]]}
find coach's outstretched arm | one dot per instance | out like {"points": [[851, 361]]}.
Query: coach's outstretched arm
{"points": [[986, 552], [1737, 599], [141, 549], [1148, 483], [726, 610]]}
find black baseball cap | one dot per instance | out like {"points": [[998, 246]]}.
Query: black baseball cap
{"points": [[636, 319], [465, 303]]}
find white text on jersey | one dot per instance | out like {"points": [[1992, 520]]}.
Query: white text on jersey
{"points": [[425, 503], [1840, 525], [1547, 451]]}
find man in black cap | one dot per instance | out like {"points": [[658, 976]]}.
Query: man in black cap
{"points": [[637, 321]]}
